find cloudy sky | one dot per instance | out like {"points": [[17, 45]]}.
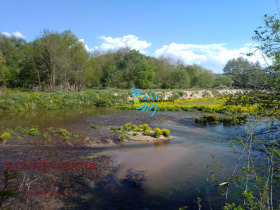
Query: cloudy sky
{"points": [[195, 31]]}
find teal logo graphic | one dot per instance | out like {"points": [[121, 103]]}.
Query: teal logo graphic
{"points": [[139, 100]]}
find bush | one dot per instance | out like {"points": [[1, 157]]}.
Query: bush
{"points": [[165, 132], [122, 137], [147, 132], [45, 135], [212, 118], [66, 138], [63, 132], [5, 136], [116, 128], [197, 120], [157, 132], [145, 127], [134, 127], [34, 131], [127, 126], [94, 126]]}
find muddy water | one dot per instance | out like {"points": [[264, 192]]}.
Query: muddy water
{"points": [[166, 175]]}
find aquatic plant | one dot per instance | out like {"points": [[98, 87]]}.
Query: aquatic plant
{"points": [[94, 126], [5, 136], [63, 132], [34, 131], [66, 138], [127, 126], [122, 137], [147, 132], [212, 118], [45, 136], [134, 127], [165, 132], [157, 132]]}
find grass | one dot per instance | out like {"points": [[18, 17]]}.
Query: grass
{"points": [[16, 100], [211, 105]]}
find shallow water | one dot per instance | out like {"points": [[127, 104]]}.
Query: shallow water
{"points": [[170, 174]]}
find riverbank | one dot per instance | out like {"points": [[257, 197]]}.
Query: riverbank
{"points": [[20, 101]]}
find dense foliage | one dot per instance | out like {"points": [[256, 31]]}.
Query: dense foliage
{"points": [[59, 61]]}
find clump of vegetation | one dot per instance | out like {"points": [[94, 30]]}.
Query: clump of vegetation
{"points": [[20, 128], [45, 135], [8, 192], [157, 132], [122, 137], [144, 129], [238, 120], [134, 127], [165, 132], [127, 126], [94, 126], [212, 118], [147, 132], [76, 136], [66, 138], [63, 132], [5, 136], [34, 131], [116, 128]]}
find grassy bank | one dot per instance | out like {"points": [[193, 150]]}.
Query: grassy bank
{"points": [[211, 105], [16, 100], [12, 100]]}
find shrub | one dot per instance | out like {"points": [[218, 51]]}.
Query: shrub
{"points": [[157, 132], [115, 128], [63, 132], [5, 136], [197, 120], [134, 127], [19, 138], [76, 136], [147, 132], [135, 134], [165, 132], [45, 135], [20, 128], [212, 118], [145, 127], [127, 126], [122, 137], [94, 126], [66, 138], [34, 131]]}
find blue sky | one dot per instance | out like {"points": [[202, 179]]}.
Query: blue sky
{"points": [[207, 32]]}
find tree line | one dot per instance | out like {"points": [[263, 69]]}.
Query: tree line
{"points": [[59, 61]]}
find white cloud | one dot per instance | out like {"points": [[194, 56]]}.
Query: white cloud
{"points": [[131, 41], [87, 48], [6, 34], [212, 56], [16, 34]]}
